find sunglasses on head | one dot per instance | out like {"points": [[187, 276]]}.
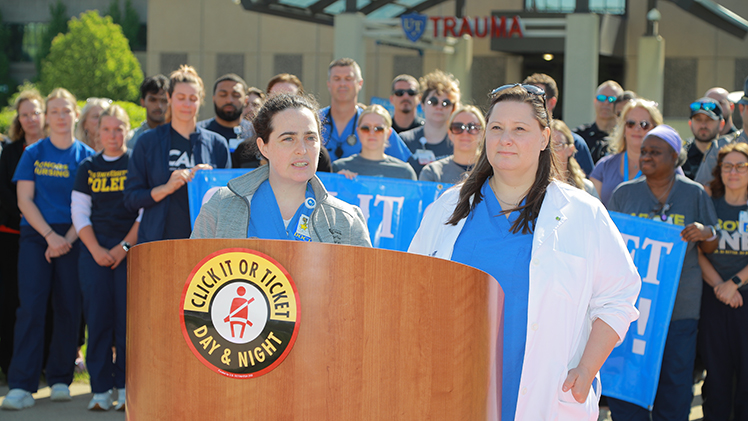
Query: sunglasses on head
{"points": [[401, 92], [434, 101], [529, 88], [706, 106], [741, 167], [366, 129], [605, 98], [458, 128], [644, 124]]}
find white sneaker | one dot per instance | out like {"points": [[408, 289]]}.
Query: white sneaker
{"points": [[120, 400], [60, 393], [18, 399], [101, 401]]}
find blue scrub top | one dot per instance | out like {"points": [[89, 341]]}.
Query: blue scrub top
{"points": [[486, 243]]}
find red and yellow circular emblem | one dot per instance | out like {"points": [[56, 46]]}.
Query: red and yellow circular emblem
{"points": [[240, 312]]}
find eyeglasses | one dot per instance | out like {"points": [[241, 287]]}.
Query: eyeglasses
{"points": [[458, 128], [605, 98], [706, 106], [529, 88], [434, 101], [366, 129], [741, 167], [401, 92], [644, 124], [660, 211]]}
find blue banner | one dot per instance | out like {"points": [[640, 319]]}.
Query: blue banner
{"points": [[393, 208], [632, 371]]}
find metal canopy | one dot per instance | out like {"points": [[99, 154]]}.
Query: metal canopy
{"points": [[323, 11], [716, 15]]}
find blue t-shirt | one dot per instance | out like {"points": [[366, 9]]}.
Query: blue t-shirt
{"points": [[53, 172], [487, 243], [339, 146]]}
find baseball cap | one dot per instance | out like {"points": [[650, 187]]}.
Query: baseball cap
{"points": [[744, 99], [707, 106], [668, 134]]}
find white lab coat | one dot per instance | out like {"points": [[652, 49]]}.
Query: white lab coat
{"points": [[580, 271]]}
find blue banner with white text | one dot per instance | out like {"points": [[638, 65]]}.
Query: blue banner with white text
{"points": [[393, 208], [632, 371]]}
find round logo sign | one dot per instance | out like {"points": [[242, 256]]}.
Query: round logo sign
{"points": [[240, 313]]}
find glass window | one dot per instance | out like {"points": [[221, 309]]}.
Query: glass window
{"points": [[613, 7]]}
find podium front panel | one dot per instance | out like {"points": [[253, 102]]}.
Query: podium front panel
{"points": [[382, 335]]}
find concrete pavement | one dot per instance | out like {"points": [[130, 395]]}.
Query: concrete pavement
{"points": [[44, 409]]}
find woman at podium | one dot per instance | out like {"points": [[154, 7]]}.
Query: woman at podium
{"points": [[283, 200], [568, 279]]}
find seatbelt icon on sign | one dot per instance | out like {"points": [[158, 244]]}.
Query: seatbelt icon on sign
{"points": [[239, 313]]}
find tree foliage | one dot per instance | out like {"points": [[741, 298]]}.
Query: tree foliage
{"points": [[6, 84], [58, 24], [92, 60], [129, 21]]}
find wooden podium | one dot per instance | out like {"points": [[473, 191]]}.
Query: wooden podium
{"points": [[383, 335]]}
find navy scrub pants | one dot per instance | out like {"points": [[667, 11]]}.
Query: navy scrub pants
{"points": [[37, 281], [675, 389], [723, 344], [104, 307]]}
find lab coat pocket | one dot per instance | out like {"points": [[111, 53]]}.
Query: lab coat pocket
{"points": [[569, 276], [570, 409]]}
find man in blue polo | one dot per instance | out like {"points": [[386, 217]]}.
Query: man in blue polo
{"points": [[340, 119]]}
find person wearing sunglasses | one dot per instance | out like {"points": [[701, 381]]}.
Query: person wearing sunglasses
{"points": [[374, 127], [466, 133], [728, 107], [705, 122], [724, 300], [638, 117], [605, 119], [665, 196], [430, 142], [704, 175], [405, 98], [569, 282]]}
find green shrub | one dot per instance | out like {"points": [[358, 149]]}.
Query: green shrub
{"points": [[92, 60]]}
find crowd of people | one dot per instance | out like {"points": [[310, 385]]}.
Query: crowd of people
{"points": [[520, 177]]}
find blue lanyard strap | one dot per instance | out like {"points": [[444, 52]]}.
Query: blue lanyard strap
{"points": [[626, 168], [266, 221]]}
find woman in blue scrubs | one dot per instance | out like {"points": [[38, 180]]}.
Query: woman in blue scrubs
{"points": [[48, 257], [283, 200], [569, 283]]}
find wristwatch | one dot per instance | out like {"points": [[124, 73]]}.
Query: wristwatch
{"points": [[736, 279], [125, 246]]}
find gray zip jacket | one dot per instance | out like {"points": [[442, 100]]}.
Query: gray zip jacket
{"points": [[226, 214]]}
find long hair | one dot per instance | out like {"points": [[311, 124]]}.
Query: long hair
{"points": [[575, 175], [546, 172], [470, 109], [16, 130], [263, 122], [717, 186], [618, 140]]}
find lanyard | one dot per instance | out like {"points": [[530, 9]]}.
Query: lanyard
{"points": [[626, 168], [266, 222], [351, 140]]}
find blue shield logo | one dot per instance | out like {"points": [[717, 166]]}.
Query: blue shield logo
{"points": [[413, 25]]}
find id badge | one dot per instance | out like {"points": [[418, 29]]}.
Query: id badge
{"points": [[743, 222], [424, 156], [302, 229]]}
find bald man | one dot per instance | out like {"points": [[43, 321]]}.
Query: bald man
{"points": [[720, 95]]}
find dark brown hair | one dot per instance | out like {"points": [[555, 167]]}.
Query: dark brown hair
{"points": [[546, 172], [263, 122], [549, 84], [717, 186]]}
